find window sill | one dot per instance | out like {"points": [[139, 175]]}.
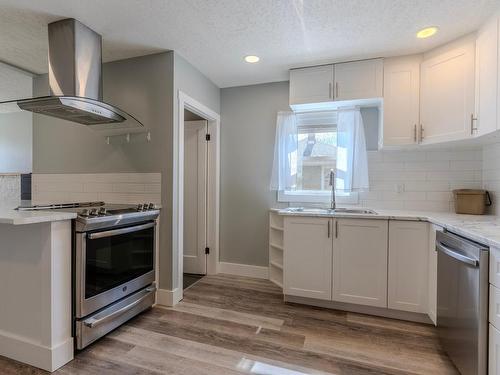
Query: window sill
{"points": [[319, 197]]}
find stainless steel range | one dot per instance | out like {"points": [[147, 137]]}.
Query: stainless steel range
{"points": [[113, 264]]}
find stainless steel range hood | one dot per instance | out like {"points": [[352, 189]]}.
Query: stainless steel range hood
{"points": [[75, 80]]}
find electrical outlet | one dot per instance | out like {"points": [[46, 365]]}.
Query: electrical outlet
{"points": [[399, 188]]}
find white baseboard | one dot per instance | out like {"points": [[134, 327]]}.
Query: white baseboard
{"points": [[35, 354], [247, 270], [167, 297]]}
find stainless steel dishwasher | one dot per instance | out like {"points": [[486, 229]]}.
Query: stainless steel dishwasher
{"points": [[462, 302]]}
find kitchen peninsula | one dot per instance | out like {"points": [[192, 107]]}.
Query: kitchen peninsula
{"points": [[35, 286]]}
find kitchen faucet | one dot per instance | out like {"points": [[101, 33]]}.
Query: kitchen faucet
{"points": [[332, 184]]}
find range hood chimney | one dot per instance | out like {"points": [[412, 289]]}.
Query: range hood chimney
{"points": [[75, 60], [75, 80]]}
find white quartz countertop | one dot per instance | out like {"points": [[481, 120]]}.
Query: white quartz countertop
{"points": [[9, 215], [484, 229]]}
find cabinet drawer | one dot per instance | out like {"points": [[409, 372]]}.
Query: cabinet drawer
{"points": [[494, 308], [495, 266]]}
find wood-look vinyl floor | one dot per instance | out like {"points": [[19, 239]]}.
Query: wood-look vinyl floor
{"points": [[235, 325]]}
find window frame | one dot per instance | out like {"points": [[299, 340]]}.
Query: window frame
{"points": [[311, 196], [310, 122]]}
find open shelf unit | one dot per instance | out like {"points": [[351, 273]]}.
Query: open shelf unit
{"points": [[276, 248]]}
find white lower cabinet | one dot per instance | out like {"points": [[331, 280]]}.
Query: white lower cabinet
{"points": [[372, 262], [308, 257], [432, 270], [360, 261], [494, 351], [408, 264]]}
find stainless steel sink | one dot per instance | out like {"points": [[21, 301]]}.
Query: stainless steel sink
{"points": [[359, 211], [363, 211]]}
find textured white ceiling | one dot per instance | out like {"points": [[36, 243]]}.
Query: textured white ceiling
{"points": [[214, 35]]}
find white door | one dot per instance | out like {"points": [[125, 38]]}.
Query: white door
{"points": [[308, 257], [408, 266], [359, 80], [311, 85], [195, 196], [487, 77], [360, 261], [447, 94], [401, 101]]}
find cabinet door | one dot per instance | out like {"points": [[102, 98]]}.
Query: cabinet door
{"points": [[311, 85], [308, 257], [487, 78], [401, 101], [359, 80], [494, 351], [432, 292], [360, 261], [408, 264], [447, 94]]}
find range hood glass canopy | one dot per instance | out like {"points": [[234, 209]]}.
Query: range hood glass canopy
{"points": [[96, 114], [75, 81]]}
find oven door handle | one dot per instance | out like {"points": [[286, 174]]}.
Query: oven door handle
{"points": [[93, 323], [117, 232], [454, 254]]}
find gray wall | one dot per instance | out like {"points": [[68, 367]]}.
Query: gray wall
{"points": [[16, 132], [142, 86], [248, 124], [192, 82], [146, 87]]}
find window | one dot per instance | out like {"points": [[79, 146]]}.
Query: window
{"points": [[312, 158]]}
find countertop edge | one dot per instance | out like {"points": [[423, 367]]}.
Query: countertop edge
{"points": [[432, 218]]}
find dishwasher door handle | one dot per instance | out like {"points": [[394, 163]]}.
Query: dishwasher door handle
{"points": [[456, 255]]}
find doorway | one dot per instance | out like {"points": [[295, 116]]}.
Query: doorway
{"points": [[195, 198], [212, 120]]}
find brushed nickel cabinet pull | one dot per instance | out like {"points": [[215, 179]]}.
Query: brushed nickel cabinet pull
{"points": [[415, 133], [336, 229], [421, 132], [328, 226]]}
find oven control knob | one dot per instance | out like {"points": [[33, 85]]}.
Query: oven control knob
{"points": [[151, 206], [94, 212], [84, 212], [102, 211], [140, 207], [145, 206]]}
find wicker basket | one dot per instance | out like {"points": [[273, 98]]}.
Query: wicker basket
{"points": [[471, 201]]}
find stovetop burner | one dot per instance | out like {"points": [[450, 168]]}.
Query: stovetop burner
{"points": [[100, 214]]}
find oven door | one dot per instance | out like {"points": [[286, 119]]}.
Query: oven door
{"points": [[111, 264]]}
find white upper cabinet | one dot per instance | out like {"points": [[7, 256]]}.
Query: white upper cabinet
{"points": [[311, 85], [447, 92], [487, 77], [359, 80], [308, 257], [360, 261], [408, 265], [400, 125]]}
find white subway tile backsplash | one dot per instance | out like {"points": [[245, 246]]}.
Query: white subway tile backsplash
{"points": [[491, 174], [422, 179], [126, 188], [10, 187]]}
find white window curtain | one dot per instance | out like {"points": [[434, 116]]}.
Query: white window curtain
{"points": [[352, 163], [285, 152]]}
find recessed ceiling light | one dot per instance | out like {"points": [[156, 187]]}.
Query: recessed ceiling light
{"points": [[252, 59], [427, 32]]}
